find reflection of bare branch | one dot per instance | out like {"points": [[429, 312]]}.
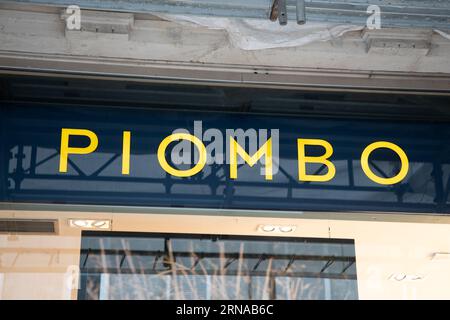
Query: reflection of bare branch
{"points": [[238, 278], [129, 259], [92, 290], [155, 261], [174, 271], [295, 287], [267, 279], [223, 279], [121, 282], [190, 284]]}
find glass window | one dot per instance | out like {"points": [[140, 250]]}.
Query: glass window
{"points": [[174, 266]]}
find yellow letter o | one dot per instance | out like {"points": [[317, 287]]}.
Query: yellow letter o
{"points": [[383, 144], [181, 173]]}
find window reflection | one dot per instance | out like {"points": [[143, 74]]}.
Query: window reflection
{"points": [[171, 266]]}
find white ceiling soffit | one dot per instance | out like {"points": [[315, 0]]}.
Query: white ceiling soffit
{"points": [[258, 34], [394, 13], [138, 46]]}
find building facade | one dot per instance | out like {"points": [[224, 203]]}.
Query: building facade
{"points": [[159, 151]]}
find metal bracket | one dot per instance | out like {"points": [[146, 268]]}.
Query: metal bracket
{"points": [[94, 21], [399, 41]]}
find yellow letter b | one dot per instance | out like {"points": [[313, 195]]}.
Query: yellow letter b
{"points": [[303, 159]]}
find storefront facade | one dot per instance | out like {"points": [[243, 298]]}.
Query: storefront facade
{"points": [[125, 178]]}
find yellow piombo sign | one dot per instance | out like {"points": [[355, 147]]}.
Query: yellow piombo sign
{"points": [[237, 150]]}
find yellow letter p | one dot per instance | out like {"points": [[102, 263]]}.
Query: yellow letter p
{"points": [[66, 150]]}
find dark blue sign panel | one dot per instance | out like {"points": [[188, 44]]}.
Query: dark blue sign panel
{"points": [[120, 156]]}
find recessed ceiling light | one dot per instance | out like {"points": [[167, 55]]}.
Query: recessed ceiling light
{"points": [[399, 277], [268, 228], [274, 228], [90, 224], [406, 277], [287, 228], [414, 277], [79, 223], [99, 224]]}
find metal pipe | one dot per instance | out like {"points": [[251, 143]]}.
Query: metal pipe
{"points": [[301, 12], [282, 12]]}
